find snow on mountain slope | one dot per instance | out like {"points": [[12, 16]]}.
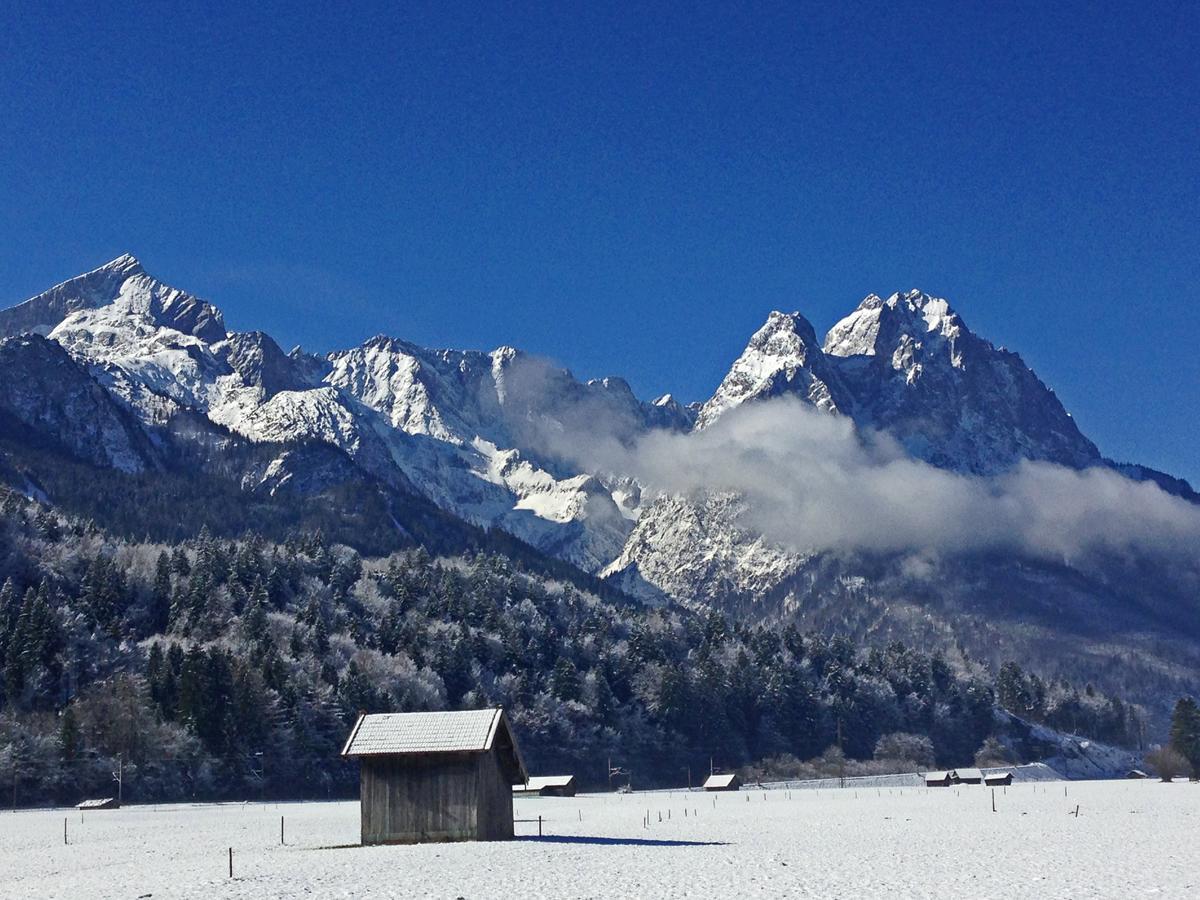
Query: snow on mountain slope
{"points": [[908, 365], [952, 398], [46, 390], [473, 431], [96, 288], [783, 356]]}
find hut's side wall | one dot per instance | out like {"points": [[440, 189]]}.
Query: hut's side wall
{"points": [[411, 799], [495, 800]]}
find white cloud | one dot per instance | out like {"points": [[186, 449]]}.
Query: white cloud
{"points": [[814, 482]]}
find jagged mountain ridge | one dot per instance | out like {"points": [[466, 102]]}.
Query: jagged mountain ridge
{"points": [[485, 435], [465, 428]]}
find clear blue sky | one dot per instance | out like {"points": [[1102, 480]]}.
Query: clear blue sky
{"points": [[631, 190]]}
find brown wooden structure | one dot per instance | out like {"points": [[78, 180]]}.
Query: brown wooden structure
{"points": [[939, 779], [998, 779], [436, 776], [967, 776]]}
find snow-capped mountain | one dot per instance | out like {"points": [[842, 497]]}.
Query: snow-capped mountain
{"points": [[122, 371], [475, 432], [908, 365]]}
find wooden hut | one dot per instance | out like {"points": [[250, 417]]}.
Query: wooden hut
{"points": [[938, 779], [546, 786], [968, 776], [998, 779], [1136, 773], [436, 776], [100, 803], [726, 782]]}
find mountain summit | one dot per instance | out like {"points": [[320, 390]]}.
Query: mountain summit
{"points": [[126, 373]]}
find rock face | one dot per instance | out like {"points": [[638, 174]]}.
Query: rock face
{"points": [[908, 365], [486, 436], [131, 369], [952, 398], [783, 357], [52, 396]]}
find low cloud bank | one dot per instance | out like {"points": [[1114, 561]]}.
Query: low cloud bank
{"points": [[813, 482]]}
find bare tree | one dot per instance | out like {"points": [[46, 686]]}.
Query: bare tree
{"points": [[1167, 763]]}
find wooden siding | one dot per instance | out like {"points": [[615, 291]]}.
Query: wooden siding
{"points": [[437, 797]]}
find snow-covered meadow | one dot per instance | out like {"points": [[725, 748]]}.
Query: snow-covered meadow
{"points": [[1131, 838]]}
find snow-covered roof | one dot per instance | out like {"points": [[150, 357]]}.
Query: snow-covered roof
{"points": [[936, 776], [99, 803], [968, 774], [720, 780], [424, 732], [538, 782], [997, 776]]}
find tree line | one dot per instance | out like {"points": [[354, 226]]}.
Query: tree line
{"points": [[217, 667]]}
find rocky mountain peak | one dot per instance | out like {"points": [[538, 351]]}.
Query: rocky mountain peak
{"points": [[783, 356]]}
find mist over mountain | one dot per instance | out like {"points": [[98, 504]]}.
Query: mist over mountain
{"points": [[899, 478]]}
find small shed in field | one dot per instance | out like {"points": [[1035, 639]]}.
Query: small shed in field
{"points": [[547, 786], [100, 803], [1136, 773], [968, 776], [998, 779], [727, 782], [436, 776], [938, 779]]}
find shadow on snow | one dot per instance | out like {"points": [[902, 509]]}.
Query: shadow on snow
{"points": [[615, 841]]}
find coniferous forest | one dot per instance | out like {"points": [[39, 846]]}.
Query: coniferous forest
{"points": [[232, 668]]}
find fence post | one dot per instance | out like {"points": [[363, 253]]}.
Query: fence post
{"points": [[539, 826], [230, 862]]}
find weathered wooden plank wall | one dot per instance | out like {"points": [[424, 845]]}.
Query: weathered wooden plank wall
{"points": [[442, 797]]}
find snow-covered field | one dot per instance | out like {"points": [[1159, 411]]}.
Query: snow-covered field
{"points": [[1131, 839]]}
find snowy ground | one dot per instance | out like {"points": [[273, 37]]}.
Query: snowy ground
{"points": [[1131, 839]]}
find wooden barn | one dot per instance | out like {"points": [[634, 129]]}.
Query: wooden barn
{"points": [[100, 803], [998, 779], [727, 782], [938, 779], [968, 776], [547, 786], [436, 776]]}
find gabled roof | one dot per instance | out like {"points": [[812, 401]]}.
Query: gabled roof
{"points": [[997, 776], [968, 774], [720, 780], [402, 734], [936, 776]]}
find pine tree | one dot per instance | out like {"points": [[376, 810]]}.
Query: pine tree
{"points": [[564, 680], [1185, 732], [160, 595], [70, 739]]}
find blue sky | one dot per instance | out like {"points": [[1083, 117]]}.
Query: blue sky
{"points": [[631, 191]]}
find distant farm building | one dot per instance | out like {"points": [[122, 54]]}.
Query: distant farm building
{"points": [[436, 776], [1136, 773], [998, 779], [968, 776], [728, 782], [102, 803], [938, 779], [547, 786]]}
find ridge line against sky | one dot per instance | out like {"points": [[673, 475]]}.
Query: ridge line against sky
{"points": [[632, 191]]}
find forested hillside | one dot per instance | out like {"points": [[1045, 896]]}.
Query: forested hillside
{"points": [[232, 668]]}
